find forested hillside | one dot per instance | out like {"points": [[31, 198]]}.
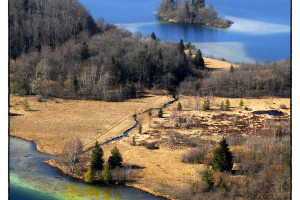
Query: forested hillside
{"points": [[57, 50], [37, 23]]}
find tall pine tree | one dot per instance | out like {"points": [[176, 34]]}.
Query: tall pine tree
{"points": [[223, 159], [180, 46], [97, 157], [199, 62], [115, 159], [84, 51], [153, 36]]}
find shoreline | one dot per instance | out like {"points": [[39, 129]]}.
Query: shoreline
{"points": [[65, 171], [199, 23]]}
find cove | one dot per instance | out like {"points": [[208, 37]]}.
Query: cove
{"points": [[32, 179], [261, 29]]}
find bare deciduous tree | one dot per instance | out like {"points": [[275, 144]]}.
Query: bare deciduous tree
{"points": [[72, 149]]}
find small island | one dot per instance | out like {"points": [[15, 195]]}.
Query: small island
{"points": [[191, 11]]}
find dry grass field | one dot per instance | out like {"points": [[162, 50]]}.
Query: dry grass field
{"points": [[217, 64], [52, 122], [160, 171]]}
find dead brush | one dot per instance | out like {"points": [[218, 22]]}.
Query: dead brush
{"points": [[193, 156], [151, 145]]}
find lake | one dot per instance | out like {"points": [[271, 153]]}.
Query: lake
{"points": [[261, 28], [31, 179]]}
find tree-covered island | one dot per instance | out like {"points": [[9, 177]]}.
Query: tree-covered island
{"points": [[191, 11]]}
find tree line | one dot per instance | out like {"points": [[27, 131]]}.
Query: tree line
{"points": [[191, 11], [249, 80]]}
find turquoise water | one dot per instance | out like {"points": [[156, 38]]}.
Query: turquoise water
{"points": [[31, 179], [261, 28]]}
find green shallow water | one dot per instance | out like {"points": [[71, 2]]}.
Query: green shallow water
{"points": [[32, 179]]}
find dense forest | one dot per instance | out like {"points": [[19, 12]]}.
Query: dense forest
{"points": [[34, 24], [58, 50], [191, 11]]}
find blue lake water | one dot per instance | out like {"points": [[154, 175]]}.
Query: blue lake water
{"points": [[261, 28], [31, 179]]}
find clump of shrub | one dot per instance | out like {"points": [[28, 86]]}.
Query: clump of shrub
{"points": [[283, 106], [39, 98], [151, 145], [25, 105], [178, 139], [193, 156]]}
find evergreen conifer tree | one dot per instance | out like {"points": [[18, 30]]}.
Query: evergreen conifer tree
{"points": [[133, 143], [223, 159], [222, 106], [149, 112], [106, 173], [207, 178], [153, 36], [179, 107], [75, 84], [241, 104], [97, 157], [115, 159], [159, 53], [227, 105], [84, 51], [202, 3], [199, 62], [206, 105], [140, 128], [231, 69], [89, 176], [160, 113], [180, 46]]}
